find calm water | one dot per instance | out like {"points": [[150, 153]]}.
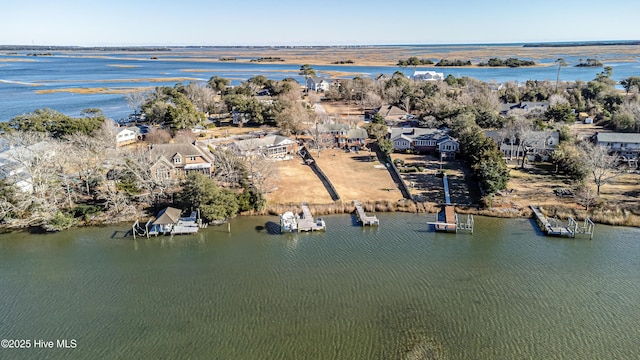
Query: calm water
{"points": [[21, 76], [394, 292]]}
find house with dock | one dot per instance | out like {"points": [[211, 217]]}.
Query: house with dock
{"points": [[539, 145], [341, 136]]}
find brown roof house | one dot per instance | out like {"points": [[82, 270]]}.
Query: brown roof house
{"points": [[175, 161]]}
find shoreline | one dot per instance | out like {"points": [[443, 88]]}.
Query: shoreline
{"points": [[607, 217]]}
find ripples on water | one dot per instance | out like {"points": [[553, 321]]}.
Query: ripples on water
{"points": [[394, 292]]}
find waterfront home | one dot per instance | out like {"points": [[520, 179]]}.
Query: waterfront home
{"points": [[317, 83], [271, 146], [627, 145], [341, 136], [419, 75], [175, 161], [421, 140], [539, 145], [238, 117]]}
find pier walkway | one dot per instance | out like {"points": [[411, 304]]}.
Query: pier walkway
{"points": [[558, 229], [365, 220], [307, 223]]}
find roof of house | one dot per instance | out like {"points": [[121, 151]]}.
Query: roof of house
{"points": [[184, 149], [523, 105], [537, 139], [357, 133], [265, 142], [391, 111], [618, 137], [412, 134]]}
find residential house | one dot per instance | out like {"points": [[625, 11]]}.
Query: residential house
{"points": [[540, 106], [341, 136], [271, 146], [427, 75], [317, 83], [392, 114], [127, 135], [626, 145], [13, 159], [423, 140], [539, 145], [175, 161]]}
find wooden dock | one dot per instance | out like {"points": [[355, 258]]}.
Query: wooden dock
{"points": [[555, 228], [447, 219], [365, 220], [169, 222], [306, 222]]}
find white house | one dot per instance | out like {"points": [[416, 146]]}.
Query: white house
{"points": [[427, 75], [317, 83], [126, 136]]}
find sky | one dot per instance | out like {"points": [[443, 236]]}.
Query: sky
{"points": [[323, 22]]}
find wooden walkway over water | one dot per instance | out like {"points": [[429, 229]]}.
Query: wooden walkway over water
{"points": [[447, 218], [307, 223], [365, 220], [558, 229]]}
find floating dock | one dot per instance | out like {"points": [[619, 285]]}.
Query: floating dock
{"points": [[290, 222], [558, 229], [363, 218]]}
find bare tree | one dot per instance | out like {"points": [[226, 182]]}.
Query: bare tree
{"points": [[135, 99], [262, 173], [293, 118], [600, 164], [586, 197], [184, 136], [229, 167], [158, 136], [201, 95]]}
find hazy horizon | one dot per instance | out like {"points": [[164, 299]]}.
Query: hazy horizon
{"points": [[290, 23]]}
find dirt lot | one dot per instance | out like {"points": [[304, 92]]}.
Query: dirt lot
{"points": [[353, 175], [428, 186]]}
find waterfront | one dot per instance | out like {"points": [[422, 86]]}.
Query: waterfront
{"points": [[105, 75], [393, 292]]}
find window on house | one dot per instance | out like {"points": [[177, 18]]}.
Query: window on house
{"points": [[177, 160], [193, 158]]}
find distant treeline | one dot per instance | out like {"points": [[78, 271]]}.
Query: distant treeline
{"points": [[267, 59], [340, 62], [445, 62], [93, 48], [227, 59], [588, 43], [510, 62], [590, 63]]}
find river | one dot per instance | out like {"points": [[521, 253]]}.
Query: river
{"points": [[394, 292]]}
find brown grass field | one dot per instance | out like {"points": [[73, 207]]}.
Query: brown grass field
{"points": [[354, 176]]}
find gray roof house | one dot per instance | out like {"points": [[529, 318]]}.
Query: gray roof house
{"points": [[626, 145], [424, 141], [178, 160], [271, 146], [524, 105], [341, 135], [539, 144]]}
